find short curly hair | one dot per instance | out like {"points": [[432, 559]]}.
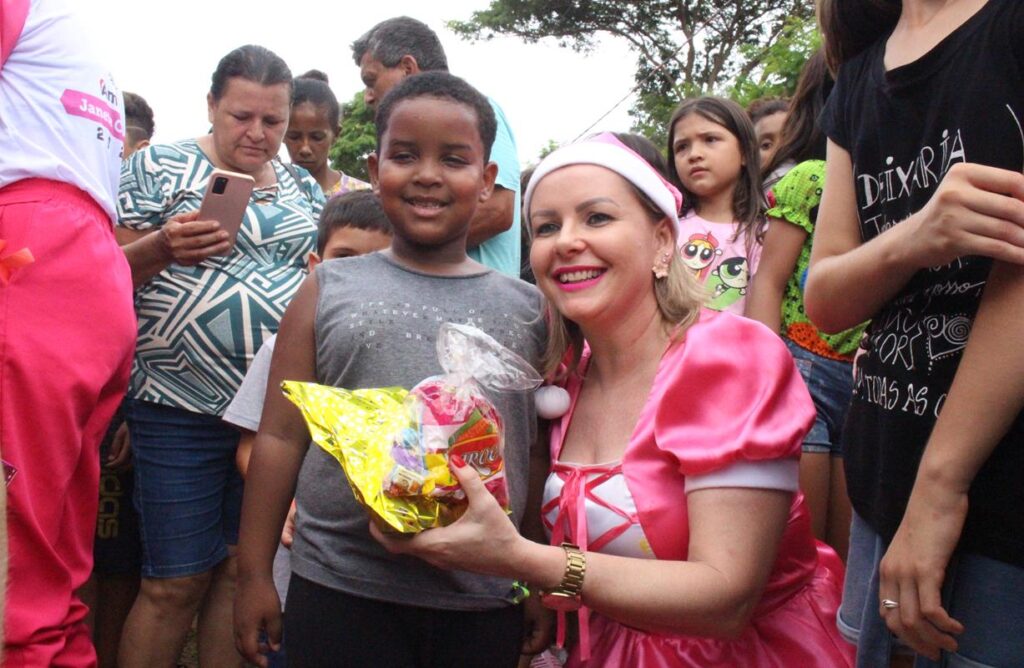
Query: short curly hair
{"points": [[443, 86]]}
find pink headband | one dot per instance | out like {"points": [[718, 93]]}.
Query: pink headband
{"points": [[605, 150]]}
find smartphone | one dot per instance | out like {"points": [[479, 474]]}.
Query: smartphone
{"points": [[227, 195]]}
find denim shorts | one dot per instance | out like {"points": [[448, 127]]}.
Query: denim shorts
{"points": [[188, 492], [830, 383], [981, 593]]}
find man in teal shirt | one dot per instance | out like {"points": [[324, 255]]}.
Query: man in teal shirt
{"points": [[402, 46]]}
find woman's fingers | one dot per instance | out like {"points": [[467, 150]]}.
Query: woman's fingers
{"points": [[396, 543], [188, 257], [916, 630], [192, 241], [997, 249], [997, 205], [469, 479], [977, 210], [992, 179], [931, 609], [917, 618], [965, 232], [196, 233], [186, 217]]}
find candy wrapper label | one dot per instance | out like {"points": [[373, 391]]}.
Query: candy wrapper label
{"points": [[394, 444]]}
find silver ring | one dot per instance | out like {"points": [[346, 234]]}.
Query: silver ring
{"points": [[890, 604]]}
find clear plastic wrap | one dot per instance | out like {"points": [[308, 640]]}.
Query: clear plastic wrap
{"points": [[394, 444]]}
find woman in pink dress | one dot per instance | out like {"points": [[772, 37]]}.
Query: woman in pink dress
{"points": [[677, 529]]}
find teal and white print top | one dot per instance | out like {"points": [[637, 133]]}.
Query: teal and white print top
{"points": [[200, 326]]}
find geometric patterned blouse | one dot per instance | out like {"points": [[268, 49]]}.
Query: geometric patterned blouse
{"points": [[200, 326]]}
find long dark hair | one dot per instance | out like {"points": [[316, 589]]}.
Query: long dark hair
{"points": [[850, 26], [801, 138], [748, 205]]}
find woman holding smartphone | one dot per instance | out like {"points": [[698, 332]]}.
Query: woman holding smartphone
{"points": [[205, 304]]}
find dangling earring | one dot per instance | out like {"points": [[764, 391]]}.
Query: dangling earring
{"points": [[660, 269]]}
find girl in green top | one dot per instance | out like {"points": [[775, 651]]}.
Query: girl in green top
{"points": [[776, 299]]}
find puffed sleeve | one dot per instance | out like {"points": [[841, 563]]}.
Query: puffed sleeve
{"points": [[798, 194], [733, 404]]}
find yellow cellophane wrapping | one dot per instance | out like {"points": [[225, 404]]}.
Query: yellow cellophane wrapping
{"points": [[356, 427]]}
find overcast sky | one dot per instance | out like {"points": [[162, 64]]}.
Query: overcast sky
{"points": [[166, 52]]}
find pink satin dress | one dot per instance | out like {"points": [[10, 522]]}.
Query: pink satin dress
{"points": [[728, 393]]}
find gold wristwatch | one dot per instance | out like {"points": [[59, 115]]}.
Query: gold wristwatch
{"points": [[568, 595]]}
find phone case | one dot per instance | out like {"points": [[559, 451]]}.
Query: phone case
{"points": [[227, 196]]}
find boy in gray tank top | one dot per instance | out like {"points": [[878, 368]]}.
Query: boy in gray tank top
{"points": [[372, 321]]}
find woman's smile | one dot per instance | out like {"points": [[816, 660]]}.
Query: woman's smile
{"points": [[572, 279]]}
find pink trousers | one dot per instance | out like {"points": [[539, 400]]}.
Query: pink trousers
{"points": [[67, 335]]}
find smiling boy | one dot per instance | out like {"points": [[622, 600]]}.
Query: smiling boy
{"points": [[372, 321], [402, 46]]}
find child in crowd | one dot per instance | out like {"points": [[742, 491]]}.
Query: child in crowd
{"points": [[351, 224], [372, 321], [768, 114], [800, 138], [714, 161], [138, 124], [312, 128], [777, 299]]}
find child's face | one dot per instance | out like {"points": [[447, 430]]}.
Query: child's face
{"points": [[430, 174], [769, 131], [350, 241], [707, 156], [309, 136]]}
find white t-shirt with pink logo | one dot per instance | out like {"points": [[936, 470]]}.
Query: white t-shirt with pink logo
{"points": [[718, 257], [61, 115]]}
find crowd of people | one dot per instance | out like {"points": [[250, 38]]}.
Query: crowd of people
{"points": [[783, 421]]}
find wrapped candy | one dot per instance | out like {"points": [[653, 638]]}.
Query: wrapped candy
{"points": [[394, 444]]}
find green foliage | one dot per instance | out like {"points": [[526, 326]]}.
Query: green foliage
{"points": [[683, 47], [780, 66], [547, 150], [356, 140]]}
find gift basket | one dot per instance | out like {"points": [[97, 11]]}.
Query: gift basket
{"points": [[393, 444]]}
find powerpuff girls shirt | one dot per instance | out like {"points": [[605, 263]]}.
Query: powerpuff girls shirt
{"points": [[716, 254]]}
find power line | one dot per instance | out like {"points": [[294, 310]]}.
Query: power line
{"points": [[640, 83], [631, 91]]}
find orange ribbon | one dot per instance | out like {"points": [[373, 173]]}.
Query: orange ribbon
{"points": [[13, 262]]}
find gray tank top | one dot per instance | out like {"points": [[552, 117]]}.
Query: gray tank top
{"points": [[376, 325]]}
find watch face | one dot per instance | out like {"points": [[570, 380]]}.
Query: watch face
{"points": [[560, 602]]}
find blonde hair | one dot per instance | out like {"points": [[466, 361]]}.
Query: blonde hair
{"points": [[679, 297]]}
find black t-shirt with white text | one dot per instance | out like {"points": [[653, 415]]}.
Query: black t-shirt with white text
{"points": [[963, 101]]}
